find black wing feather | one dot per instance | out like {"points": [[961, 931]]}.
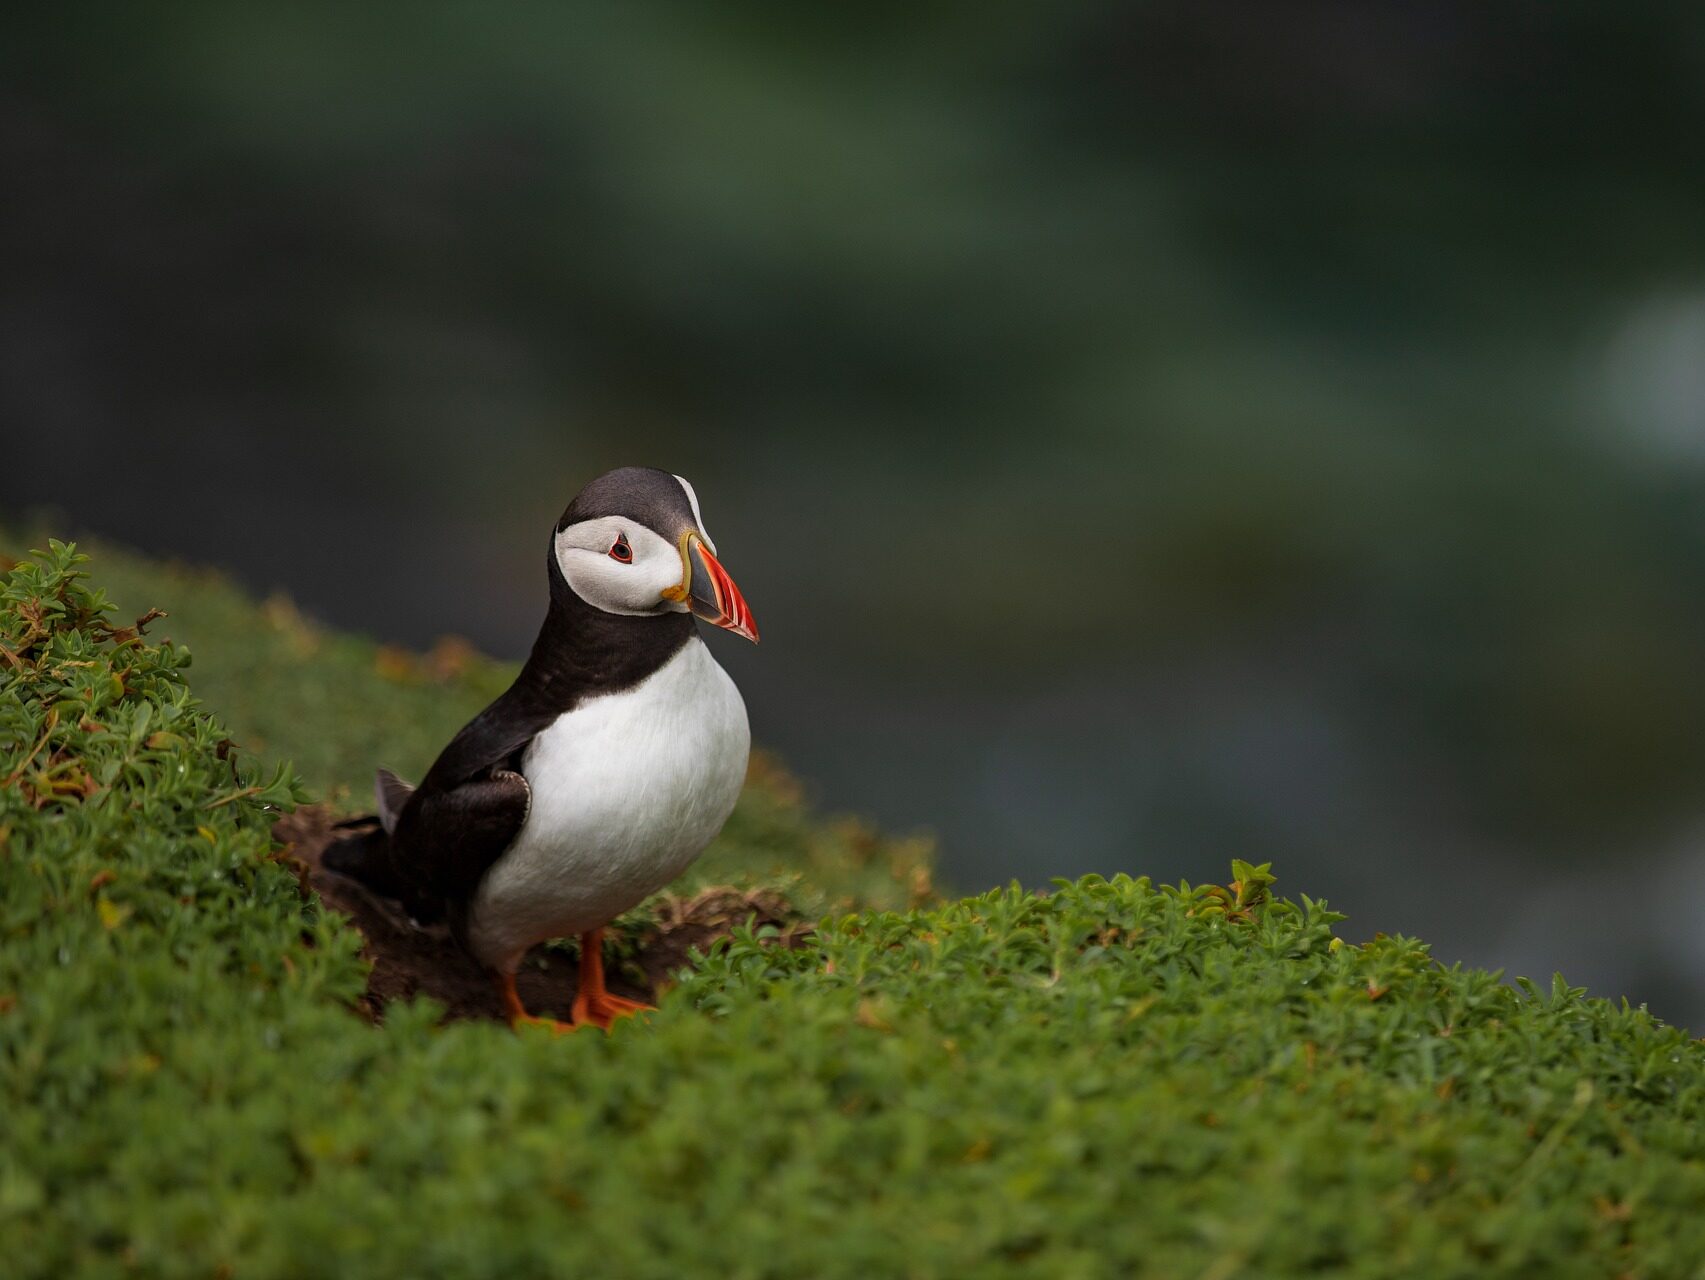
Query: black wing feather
{"points": [[446, 841]]}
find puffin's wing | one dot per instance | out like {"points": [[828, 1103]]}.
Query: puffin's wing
{"points": [[431, 851], [449, 839]]}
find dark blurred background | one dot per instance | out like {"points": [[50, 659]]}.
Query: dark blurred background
{"points": [[1147, 433]]}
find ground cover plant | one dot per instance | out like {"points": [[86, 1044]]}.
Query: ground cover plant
{"points": [[1112, 1079]]}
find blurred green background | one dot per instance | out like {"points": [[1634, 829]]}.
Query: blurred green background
{"points": [[1146, 433]]}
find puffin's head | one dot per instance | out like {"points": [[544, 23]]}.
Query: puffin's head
{"points": [[633, 543]]}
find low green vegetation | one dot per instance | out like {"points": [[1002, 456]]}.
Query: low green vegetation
{"points": [[1115, 1079]]}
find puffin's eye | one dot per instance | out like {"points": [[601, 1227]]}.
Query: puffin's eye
{"points": [[621, 552]]}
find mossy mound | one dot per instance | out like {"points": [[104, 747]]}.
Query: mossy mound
{"points": [[1114, 1079]]}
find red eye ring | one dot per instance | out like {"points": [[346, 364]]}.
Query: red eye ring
{"points": [[621, 553]]}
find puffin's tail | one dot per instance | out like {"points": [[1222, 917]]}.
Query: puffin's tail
{"points": [[365, 853]]}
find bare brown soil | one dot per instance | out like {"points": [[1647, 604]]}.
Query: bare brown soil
{"points": [[410, 961]]}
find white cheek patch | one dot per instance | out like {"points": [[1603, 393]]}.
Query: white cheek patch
{"points": [[698, 516], [633, 589]]}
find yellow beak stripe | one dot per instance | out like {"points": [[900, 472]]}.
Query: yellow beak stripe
{"points": [[684, 589]]}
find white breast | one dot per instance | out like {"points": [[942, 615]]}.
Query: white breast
{"points": [[628, 788]]}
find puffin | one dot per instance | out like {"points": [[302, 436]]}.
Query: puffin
{"points": [[600, 774]]}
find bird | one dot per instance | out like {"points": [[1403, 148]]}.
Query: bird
{"points": [[601, 773]]}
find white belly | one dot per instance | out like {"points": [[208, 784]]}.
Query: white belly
{"points": [[628, 788]]}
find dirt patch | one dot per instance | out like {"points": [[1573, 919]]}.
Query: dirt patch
{"points": [[410, 961]]}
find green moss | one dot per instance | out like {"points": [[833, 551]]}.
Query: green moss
{"points": [[1114, 1079]]}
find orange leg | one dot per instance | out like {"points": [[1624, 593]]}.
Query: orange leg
{"points": [[517, 1013], [592, 1003]]}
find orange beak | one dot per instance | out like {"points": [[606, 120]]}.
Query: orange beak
{"points": [[710, 592]]}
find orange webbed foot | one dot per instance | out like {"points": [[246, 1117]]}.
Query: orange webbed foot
{"points": [[604, 1010], [593, 1004]]}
